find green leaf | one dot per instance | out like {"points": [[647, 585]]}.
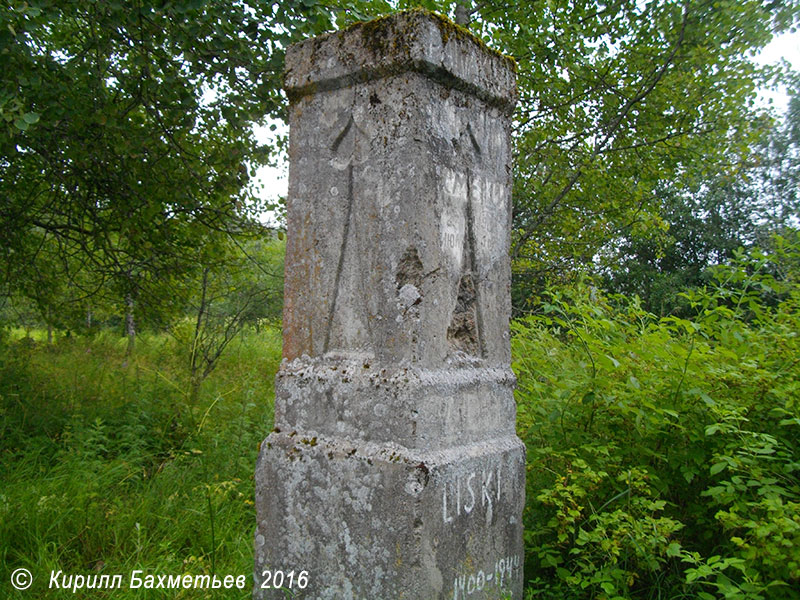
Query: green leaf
{"points": [[709, 401], [717, 467], [31, 118]]}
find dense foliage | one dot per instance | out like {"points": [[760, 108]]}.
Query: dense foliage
{"points": [[663, 457], [708, 222], [127, 144], [127, 148]]}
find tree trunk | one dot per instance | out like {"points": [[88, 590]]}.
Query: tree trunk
{"points": [[130, 326], [196, 381], [49, 326], [89, 316], [463, 12]]}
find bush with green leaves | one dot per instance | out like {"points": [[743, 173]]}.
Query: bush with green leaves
{"points": [[663, 453]]}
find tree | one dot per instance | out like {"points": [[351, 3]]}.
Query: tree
{"points": [[239, 288], [702, 228], [126, 143], [707, 224], [128, 127], [618, 100], [778, 175]]}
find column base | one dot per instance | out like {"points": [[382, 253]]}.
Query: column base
{"points": [[381, 522]]}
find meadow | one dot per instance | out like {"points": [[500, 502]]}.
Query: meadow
{"points": [[106, 466]]}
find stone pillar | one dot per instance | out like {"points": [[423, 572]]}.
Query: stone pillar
{"points": [[394, 470]]}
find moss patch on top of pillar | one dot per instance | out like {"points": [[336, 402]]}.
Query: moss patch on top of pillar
{"points": [[450, 29], [415, 40], [375, 32]]}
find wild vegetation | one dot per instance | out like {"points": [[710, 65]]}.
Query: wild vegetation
{"points": [[655, 292], [663, 451], [109, 464]]}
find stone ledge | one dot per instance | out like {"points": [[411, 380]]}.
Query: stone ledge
{"points": [[335, 367], [295, 443], [415, 40], [415, 407]]}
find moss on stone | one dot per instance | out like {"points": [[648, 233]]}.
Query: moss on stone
{"points": [[376, 34], [389, 41], [450, 29]]}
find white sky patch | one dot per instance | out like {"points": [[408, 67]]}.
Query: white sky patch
{"points": [[272, 182], [785, 47]]}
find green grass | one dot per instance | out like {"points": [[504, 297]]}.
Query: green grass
{"points": [[105, 467]]}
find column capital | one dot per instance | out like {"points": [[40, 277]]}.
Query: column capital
{"points": [[417, 41]]}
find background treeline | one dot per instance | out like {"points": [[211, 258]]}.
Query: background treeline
{"points": [[655, 255]]}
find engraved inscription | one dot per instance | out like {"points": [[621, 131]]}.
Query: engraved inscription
{"points": [[475, 492], [452, 224], [489, 202], [497, 575]]}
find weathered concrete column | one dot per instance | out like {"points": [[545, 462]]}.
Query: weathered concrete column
{"points": [[394, 470]]}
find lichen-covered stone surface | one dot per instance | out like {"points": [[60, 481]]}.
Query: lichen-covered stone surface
{"points": [[394, 470]]}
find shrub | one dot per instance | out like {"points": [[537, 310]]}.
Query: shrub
{"points": [[663, 453]]}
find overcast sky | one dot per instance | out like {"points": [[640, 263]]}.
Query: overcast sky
{"points": [[786, 47]]}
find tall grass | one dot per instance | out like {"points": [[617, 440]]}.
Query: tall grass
{"points": [[106, 466]]}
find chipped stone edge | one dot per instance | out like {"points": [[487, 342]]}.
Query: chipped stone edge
{"points": [[332, 368], [430, 53], [388, 452]]}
